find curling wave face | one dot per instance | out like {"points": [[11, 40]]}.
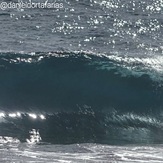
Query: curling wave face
{"points": [[76, 97]]}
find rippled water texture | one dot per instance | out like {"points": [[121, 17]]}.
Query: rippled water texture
{"points": [[119, 26]]}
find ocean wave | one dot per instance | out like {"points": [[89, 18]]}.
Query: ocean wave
{"points": [[81, 97]]}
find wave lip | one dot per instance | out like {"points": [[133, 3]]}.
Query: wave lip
{"points": [[126, 65]]}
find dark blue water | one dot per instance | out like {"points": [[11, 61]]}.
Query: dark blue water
{"points": [[80, 98], [91, 72]]}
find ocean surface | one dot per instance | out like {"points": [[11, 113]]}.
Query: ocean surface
{"points": [[82, 83]]}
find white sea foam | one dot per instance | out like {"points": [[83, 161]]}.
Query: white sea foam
{"points": [[82, 153]]}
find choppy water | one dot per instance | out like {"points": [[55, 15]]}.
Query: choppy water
{"points": [[82, 153], [83, 83]]}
